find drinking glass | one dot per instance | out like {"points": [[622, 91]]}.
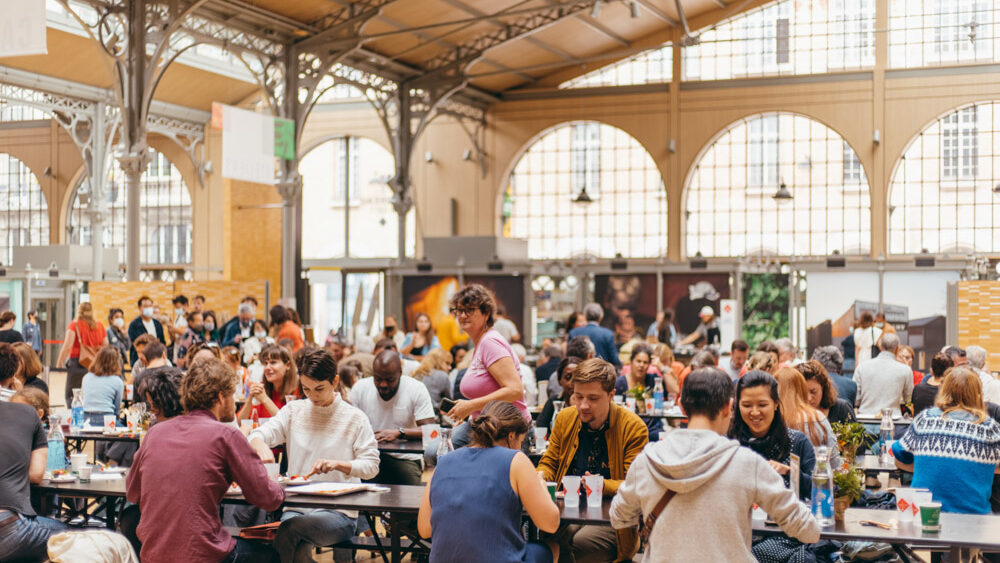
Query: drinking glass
{"points": [[572, 485], [595, 490]]}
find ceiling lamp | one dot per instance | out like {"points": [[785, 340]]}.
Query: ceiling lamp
{"points": [[583, 198], [783, 193]]}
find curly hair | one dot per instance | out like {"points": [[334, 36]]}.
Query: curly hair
{"points": [[763, 361], [475, 296], [813, 370], [161, 387], [204, 381]]}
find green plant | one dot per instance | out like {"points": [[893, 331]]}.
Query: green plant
{"points": [[850, 437], [765, 307], [849, 482], [639, 392]]}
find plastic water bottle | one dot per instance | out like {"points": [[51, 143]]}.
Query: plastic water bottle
{"points": [[57, 446], [885, 430], [822, 488], [445, 446], [77, 409], [658, 395]]}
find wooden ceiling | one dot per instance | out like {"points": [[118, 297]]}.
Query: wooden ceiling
{"points": [[412, 32]]}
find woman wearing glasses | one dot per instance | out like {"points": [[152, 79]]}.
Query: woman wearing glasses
{"points": [[493, 373]]}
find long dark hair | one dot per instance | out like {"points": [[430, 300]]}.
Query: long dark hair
{"points": [[663, 329], [775, 445]]}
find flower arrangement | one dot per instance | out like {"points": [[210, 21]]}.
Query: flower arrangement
{"points": [[848, 485], [639, 393], [850, 437]]}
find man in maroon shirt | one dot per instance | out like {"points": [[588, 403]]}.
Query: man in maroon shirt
{"points": [[184, 468]]}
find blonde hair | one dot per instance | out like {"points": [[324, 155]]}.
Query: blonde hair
{"points": [[85, 313], [437, 359], [796, 410], [762, 361], [961, 390]]}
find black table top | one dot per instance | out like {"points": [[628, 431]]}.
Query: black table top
{"points": [[402, 447], [100, 436]]}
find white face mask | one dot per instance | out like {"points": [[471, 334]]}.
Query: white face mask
{"points": [[119, 322], [147, 312], [259, 334], [209, 326]]}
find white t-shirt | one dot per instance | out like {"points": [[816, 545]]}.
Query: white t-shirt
{"points": [[411, 403], [864, 339], [506, 328], [150, 326]]}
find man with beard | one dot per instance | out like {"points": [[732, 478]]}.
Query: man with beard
{"points": [[397, 406]]}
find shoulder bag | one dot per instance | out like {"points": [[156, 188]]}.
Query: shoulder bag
{"points": [[647, 524], [875, 349], [87, 353]]}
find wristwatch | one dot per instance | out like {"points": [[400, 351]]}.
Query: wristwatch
{"points": [[402, 433]]}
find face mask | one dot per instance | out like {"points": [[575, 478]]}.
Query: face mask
{"points": [[209, 326], [179, 311], [147, 312], [119, 322], [880, 325], [259, 334]]}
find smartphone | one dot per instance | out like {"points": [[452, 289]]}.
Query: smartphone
{"points": [[447, 404]]}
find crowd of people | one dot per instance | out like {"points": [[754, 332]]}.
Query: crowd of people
{"points": [[226, 399]]}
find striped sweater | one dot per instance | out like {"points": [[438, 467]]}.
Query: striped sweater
{"points": [[954, 457]]}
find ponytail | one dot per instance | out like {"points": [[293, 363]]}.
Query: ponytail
{"points": [[498, 420]]}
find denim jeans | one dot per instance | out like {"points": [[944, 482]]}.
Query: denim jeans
{"points": [[247, 551], [27, 538], [300, 532]]}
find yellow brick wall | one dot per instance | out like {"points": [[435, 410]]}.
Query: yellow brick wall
{"points": [[223, 297], [253, 234], [979, 317]]}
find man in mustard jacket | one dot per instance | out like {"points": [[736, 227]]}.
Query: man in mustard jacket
{"points": [[594, 437]]}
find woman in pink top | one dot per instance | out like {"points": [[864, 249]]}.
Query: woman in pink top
{"points": [[493, 374]]}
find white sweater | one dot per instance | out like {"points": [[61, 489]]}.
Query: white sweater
{"points": [[717, 483], [339, 432]]}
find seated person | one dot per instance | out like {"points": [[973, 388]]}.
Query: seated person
{"points": [[36, 399], [185, 466], [564, 373], [758, 424], [953, 448], [485, 487], [718, 481], [595, 437], [327, 440], [637, 373], [281, 380], [151, 353], [397, 406], [823, 393], [23, 453]]}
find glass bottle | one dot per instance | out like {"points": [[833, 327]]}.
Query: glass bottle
{"points": [[445, 446], [57, 446], [885, 429], [77, 409], [822, 488], [658, 395]]}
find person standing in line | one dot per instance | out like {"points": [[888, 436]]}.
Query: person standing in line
{"points": [[31, 332], [866, 337]]}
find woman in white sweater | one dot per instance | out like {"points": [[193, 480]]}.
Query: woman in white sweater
{"points": [[326, 438], [715, 483]]}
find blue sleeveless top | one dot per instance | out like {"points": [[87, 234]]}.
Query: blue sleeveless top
{"points": [[475, 514]]}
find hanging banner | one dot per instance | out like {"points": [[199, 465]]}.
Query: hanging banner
{"points": [[22, 28], [284, 138], [247, 145]]}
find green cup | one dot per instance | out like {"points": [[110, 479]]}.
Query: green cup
{"points": [[930, 517], [552, 489]]}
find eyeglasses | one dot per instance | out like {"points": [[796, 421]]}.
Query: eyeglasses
{"points": [[462, 311]]}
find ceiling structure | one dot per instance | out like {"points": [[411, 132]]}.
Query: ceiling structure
{"points": [[523, 43]]}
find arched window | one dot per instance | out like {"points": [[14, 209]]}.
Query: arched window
{"points": [[546, 197], [24, 215], [944, 189], [164, 213], [347, 206], [786, 37], [649, 67], [777, 183]]}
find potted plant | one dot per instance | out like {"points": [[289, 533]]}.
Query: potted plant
{"points": [[848, 484], [850, 437], [639, 394]]}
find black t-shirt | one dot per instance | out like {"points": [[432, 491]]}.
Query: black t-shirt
{"points": [[10, 335], [592, 452], [22, 434], [923, 396], [841, 411]]}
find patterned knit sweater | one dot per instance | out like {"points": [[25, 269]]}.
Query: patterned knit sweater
{"points": [[954, 457]]}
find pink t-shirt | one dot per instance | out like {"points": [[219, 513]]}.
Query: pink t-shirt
{"points": [[477, 381]]}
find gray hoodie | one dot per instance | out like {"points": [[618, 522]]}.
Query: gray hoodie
{"points": [[717, 483]]}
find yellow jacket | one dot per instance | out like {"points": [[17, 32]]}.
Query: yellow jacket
{"points": [[626, 436]]}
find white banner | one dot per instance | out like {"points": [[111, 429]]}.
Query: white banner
{"points": [[247, 145], [727, 323], [22, 28]]}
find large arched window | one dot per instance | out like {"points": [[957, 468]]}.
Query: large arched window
{"points": [[777, 183], [347, 206], [164, 214], [944, 190], [24, 215], [546, 197]]}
